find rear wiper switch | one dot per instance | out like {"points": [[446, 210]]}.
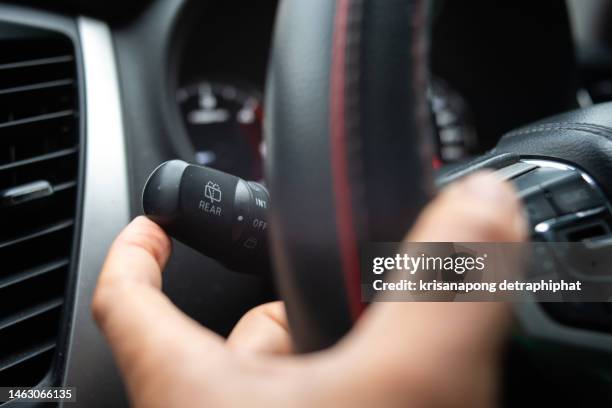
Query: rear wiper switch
{"points": [[215, 213]]}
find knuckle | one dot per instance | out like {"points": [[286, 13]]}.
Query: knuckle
{"points": [[99, 304], [105, 296]]}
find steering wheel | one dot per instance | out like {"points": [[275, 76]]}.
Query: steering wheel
{"points": [[349, 143], [349, 149]]}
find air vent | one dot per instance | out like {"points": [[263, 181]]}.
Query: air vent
{"points": [[39, 151]]}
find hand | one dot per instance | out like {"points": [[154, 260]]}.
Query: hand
{"points": [[398, 354]]}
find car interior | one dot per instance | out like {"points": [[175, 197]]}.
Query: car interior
{"points": [[96, 95]]}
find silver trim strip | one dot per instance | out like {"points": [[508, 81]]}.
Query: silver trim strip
{"points": [[90, 367], [514, 170]]}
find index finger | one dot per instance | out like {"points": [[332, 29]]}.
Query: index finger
{"points": [[139, 321]]}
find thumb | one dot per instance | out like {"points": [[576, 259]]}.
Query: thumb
{"points": [[479, 208], [444, 341]]}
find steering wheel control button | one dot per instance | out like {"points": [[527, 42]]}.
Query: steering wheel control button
{"points": [[215, 213], [571, 193], [537, 177], [538, 208], [558, 200], [586, 231]]}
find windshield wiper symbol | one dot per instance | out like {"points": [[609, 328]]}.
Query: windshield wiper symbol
{"points": [[212, 192]]}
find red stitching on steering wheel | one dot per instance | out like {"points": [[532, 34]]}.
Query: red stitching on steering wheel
{"points": [[347, 236]]}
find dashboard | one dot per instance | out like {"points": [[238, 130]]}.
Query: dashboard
{"points": [[165, 79], [476, 78], [221, 87]]}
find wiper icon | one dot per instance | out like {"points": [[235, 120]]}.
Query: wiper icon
{"points": [[212, 191]]}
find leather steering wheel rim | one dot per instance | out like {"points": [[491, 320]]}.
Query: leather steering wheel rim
{"points": [[349, 147]]}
